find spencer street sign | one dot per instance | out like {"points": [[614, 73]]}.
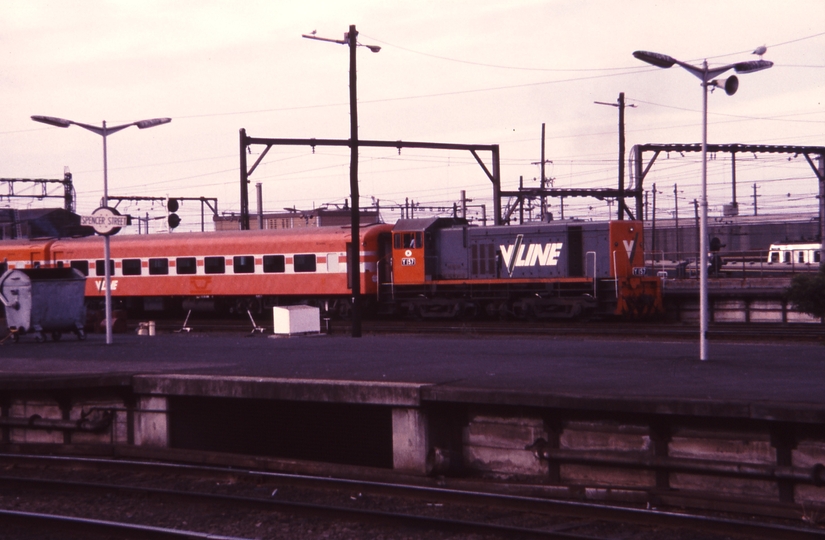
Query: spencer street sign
{"points": [[105, 221]]}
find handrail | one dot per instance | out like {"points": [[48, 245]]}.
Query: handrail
{"points": [[616, 274], [594, 269]]}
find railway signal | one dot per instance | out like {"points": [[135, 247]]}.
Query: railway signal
{"points": [[173, 219]]}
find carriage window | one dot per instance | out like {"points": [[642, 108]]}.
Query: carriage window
{"points": [[186, 265], [274, 264], [83, 266], [214, 265], [817, 256], [243, 264], [774, 256], [100, 267], [131, 267], [158, 267], [304, 263], [787, 256], [802, 256]]}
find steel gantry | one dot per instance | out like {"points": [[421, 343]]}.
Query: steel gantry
{"points": [[210, 202], [354, 143], [68, 195], [639, 169], [245, 141]]}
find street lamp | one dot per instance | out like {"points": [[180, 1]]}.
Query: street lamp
{"points": [[707, 76], [103, 131], [355, 255]]}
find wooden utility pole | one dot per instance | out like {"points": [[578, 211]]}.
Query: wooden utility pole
{"points": [[543, 178], [676, 216], [653, 226], [622, 204], [696, 212], [821, 174], [755, 212], [733, 202], [355, 257]]}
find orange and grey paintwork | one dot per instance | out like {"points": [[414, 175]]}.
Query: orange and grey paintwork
{"points": [[438, 254]]}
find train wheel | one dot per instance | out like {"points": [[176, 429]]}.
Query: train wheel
{"points": [[407, 310], [521, 310], [56, 336], [344, 309], [255, 306], [504, 312], [468, 311]]}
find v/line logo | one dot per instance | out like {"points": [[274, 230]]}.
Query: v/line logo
{"points": [[520, 254], [100, 284], [630, 248]]}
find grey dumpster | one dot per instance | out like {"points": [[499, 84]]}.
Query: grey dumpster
{"points": [[44, 301]]}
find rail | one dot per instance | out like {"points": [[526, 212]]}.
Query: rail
{"points": [[374, 502], [814, 475], [104, 527]]}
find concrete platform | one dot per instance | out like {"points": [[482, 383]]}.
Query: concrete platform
{"points": [[600, 418], [741, 380]]}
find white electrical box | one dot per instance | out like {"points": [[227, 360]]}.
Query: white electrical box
{"points": [[290, 320]]}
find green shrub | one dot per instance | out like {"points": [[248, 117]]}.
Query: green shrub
{"points": [[807, 293]]}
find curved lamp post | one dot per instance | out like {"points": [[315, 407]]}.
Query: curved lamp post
{"points": [[103, 131], [707, 76]]}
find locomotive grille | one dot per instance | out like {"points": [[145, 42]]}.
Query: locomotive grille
{"points": [[482, 260]]}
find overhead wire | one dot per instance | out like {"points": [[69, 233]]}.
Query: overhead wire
{"points": [[496, 66], [597, 73]]}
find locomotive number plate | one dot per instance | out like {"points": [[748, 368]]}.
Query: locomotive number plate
{"points": [[406, 261], [639, 271]]}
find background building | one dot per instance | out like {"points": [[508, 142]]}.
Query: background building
{"points": [[40, 223], [319, 217]]}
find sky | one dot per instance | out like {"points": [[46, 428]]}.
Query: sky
{"points": [[449, 71]]}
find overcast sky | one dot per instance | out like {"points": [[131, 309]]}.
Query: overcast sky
{"points": [[448, 71]]}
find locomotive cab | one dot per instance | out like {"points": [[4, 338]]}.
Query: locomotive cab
{"points": [[414, 249]]}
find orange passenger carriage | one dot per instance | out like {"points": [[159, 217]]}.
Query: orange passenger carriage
{"points": [[235, 270], [25, 253]]}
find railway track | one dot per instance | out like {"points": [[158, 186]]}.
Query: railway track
{"points": [[605, 329], [601, 329], [763, 332], [28, 524], [98, 498]]}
